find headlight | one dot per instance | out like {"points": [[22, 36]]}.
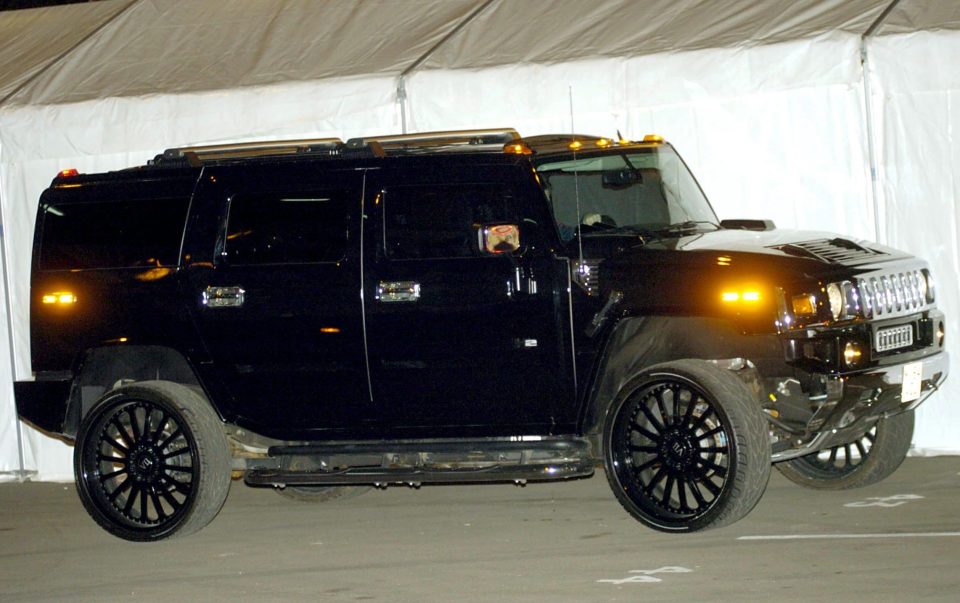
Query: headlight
{"points": [[926, 286], [835, 297], [843, 299]]}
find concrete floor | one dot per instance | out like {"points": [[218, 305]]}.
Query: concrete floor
{"points": [[899, 540]]}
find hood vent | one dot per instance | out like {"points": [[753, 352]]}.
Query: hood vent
{"points": [[833, 251]]}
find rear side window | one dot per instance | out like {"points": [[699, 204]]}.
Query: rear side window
{"points": [[286, 228], [441, 221], [112, 234]]}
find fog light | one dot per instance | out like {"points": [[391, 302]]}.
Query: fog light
{"points": [[851, 354]]}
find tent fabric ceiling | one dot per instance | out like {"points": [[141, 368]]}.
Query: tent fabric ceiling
{"points": [[31, 39], [150, 47]]}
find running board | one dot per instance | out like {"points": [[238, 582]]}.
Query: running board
{"points": [[566, 446], [400, 475]]}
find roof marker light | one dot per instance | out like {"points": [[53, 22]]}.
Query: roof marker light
{"points": [[517, 148], [68, 173], [575, 145], [656, 138]]}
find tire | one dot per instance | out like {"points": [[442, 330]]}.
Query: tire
{"points": [[872, 457], [319, 494], [151, 461], [686, 447]]}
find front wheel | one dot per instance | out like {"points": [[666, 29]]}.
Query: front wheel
{"points": [[872, 457], [151, 461], [686, 447]]}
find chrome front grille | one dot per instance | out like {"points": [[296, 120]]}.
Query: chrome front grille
{"points": [[892, 294]]}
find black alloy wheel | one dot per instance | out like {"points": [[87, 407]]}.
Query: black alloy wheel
{"points": [[870, 458], [151, 461], [687, 448]]}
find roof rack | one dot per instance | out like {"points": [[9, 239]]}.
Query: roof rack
{"points": [[198, 154], [435, 141]]}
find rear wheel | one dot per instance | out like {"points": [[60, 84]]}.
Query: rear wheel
{"points": [[151, 461], [686, 447], [872, 457]]}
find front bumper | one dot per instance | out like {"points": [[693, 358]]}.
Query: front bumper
{"points": [[853, 402]]}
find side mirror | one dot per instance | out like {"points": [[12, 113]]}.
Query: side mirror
{"points": [[495, 239]]}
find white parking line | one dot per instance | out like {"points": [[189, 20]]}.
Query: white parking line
{"points": [[852, 536]]}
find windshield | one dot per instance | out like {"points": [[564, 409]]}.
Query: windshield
{"points": [[643, 189]]}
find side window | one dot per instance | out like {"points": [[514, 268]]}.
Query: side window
{"points": [[287, 228], [440, 221], [112, 234]]}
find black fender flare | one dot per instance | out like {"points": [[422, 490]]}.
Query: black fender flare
{"points": [[638, 342]]}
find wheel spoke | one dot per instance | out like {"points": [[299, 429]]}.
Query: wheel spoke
{"points": [[849, 459], [667, 490], [682, 495], [176, 452], [161, 425], [710, 466], [132, 413], [107, 476], [702, 418], [661, 472], [124, 486], [111, 459], [709, 485], [715, 449], [174, 435], [115, 444], [130, 500], [124, 435], [690, 406], [157, 505], [653, 420], [143, 504], [662, 407], [181, 487], [171, 500], [647, 465], [833, 455], [697, 494]]}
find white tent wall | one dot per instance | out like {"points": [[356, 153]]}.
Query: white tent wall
{"points": [[773, 131], [916, 87]]}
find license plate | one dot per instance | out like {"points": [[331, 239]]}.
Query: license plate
{"points": [[912, 377]]}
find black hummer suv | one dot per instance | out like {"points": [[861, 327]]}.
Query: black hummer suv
{"points": [[323, 317]]}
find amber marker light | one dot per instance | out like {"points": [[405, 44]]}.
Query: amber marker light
{"points": [[750, 296], [62, 298], [330, 330], [575, 145], [67, 173], [604, 142], [656, 138], [517, 148]]}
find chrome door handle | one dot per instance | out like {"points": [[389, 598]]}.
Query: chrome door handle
{"points": [[398, 291], [223, 297]]}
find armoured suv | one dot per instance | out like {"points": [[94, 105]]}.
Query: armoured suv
{"points": [[323, 317]]}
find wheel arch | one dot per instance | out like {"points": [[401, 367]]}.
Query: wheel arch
{"points": [[103, 368], [638, 342]]}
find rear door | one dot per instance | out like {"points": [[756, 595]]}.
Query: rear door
{"points": [[278, 302], [462, 342]]}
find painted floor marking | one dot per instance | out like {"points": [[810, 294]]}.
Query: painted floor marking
{"points": [[885, 501], [647, 577], [852, 536]]}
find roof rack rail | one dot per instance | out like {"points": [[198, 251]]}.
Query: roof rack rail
{"points": [[427, 140], [198, 154]]}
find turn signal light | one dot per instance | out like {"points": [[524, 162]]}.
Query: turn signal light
{"points": [[59, 297]]}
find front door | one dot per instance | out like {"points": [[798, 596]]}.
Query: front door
{"points": [[463, 342]]}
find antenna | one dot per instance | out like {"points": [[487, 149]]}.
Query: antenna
{"points": [[576, 188]]}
